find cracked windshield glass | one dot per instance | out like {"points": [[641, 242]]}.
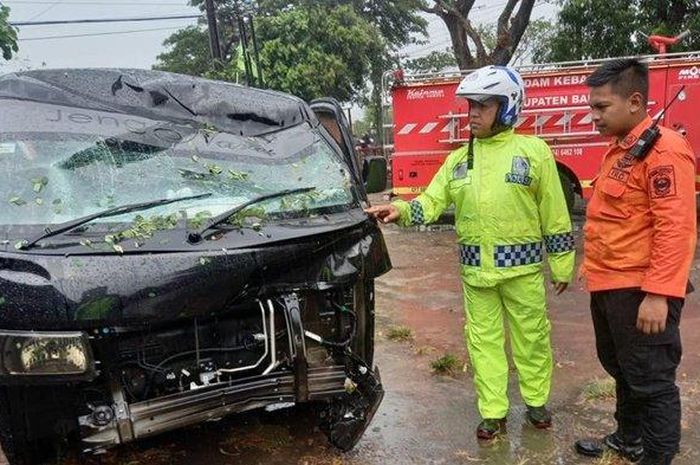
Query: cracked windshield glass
{"points": [[75, 162]]}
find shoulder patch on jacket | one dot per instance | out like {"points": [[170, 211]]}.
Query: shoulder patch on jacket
{"points": [[662, 182], [460, 170]]}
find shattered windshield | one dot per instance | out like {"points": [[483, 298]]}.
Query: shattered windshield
{"points": [[61, 163]]}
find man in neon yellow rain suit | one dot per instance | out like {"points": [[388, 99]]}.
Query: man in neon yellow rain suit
{"points": [[510, 208]]}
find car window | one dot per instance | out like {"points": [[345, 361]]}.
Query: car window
{"points": [[86, 161]]}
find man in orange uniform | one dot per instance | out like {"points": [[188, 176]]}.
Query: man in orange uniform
{"points": [[640, 237]]}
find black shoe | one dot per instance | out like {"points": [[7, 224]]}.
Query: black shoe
{"points": [[631, 451], [489, 428], [539, 417], [655, 460]]}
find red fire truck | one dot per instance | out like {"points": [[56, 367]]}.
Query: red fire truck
{"points": [[429, 121]]}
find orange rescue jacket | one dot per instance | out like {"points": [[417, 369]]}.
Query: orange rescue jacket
{"points": [[641, 221]]}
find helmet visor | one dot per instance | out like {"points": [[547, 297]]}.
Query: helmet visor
{"points": [[481, 98]]}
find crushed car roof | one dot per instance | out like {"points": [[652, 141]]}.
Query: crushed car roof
{"points": [[160, 95]]}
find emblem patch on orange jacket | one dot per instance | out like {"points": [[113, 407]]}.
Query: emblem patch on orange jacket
{"points": [[662, 182]]}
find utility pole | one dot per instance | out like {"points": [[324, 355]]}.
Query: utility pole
{"points": [[214, 44], [261, 82], [249, 78]]}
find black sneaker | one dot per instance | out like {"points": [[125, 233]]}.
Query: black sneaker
{"points": [[489, 428], [631, 451], [539, 417]]}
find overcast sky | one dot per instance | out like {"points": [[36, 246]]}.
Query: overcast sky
{"points": [[139, 49], [133, 50]]}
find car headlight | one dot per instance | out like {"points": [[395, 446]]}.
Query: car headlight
{"points": [[46, 353]]}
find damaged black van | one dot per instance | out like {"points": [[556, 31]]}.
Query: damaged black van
{"points": [[174, 250]]}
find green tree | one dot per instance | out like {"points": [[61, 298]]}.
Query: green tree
{"points": [[188, 52], [396, 22], [395, 19], [468, 41], [318, 51], [433, 62], [587, 29], [8, 34], [363, 126], [388, 24]]}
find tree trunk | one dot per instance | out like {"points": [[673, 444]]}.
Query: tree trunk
{"points": [[460, 46], [510, 30], [455, 15]]}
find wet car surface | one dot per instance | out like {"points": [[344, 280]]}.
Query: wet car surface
{"points": [[177, 250]]}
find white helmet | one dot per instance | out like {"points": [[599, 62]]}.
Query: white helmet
{"points": [[501, 82]]}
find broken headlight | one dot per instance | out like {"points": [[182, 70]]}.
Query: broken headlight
{"points": [[29, 353]]}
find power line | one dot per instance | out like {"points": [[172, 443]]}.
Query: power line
{"points": [[110, 3], [45, 10], [103, 20], [72, 36]]}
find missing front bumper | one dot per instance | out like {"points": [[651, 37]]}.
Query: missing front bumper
{"points": [[351, 391], [143, 419]]}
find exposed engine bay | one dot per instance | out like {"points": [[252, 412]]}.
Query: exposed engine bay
{"points": [[291, 347]]}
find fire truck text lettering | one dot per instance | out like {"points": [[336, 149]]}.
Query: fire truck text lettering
{"points": [[568, 152], [689, 73], [547, 100], [569, 80], [420, 94], [537, 82]]}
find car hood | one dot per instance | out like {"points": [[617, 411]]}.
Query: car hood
{"points": [[39, 291]]}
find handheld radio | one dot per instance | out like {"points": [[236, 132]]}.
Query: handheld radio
{"points": [[648, 138]]}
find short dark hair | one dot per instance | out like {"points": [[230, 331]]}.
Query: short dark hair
{"points": [[625, 75]]}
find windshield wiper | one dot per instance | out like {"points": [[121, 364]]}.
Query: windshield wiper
{"points": [[132, 207], [196, 236]]}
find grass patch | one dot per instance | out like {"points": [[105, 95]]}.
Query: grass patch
{"points": [[600, 389], [611, 458], [400, 334], [448, 364]]}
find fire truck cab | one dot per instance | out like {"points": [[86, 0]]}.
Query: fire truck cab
{"points": [[429, 121]]}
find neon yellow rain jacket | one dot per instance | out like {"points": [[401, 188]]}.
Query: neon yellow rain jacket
{"points": [[510, 208]]}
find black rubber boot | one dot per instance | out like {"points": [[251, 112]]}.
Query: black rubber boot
{"points": [[539, 417], [489, 428], [631, 451]]}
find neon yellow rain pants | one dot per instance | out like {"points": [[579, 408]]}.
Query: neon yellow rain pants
{"points": [[520, 301]]}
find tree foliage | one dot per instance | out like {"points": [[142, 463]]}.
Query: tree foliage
{"points": [[318, 51], [395, 20], [8, 34], [433, 62], [606, 28], [308, 47], [188, 52]]}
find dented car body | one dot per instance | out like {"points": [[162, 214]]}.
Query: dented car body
{"points": [[174, 250]]}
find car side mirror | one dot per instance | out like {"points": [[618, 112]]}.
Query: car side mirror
{"points": [[374, 174]]}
